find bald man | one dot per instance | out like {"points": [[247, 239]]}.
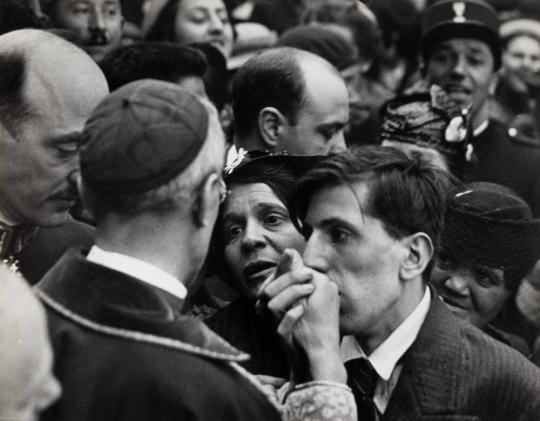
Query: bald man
{"points": [[47, 91], [290, 100], [28, 385]]}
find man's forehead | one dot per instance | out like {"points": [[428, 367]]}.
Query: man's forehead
{"points": [[339, 200], [465, 45]]}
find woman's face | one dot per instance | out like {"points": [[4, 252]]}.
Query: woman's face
{"points": [[204, 21], [256, 228], [473, 293], [522, 55]]}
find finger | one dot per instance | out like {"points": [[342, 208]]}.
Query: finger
{"points": [[288, 298], [290, 260], [278, 285], [286, 327], [271, 380]]}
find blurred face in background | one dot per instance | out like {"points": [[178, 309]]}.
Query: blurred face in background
{"points": [[97, 23], [522, 56], [465, 69], [204, 21]]}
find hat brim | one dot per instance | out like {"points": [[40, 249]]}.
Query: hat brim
{"points": [[471, 29]]}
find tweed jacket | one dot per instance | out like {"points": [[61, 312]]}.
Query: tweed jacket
{"points": [[124, 352], [455, 372]]}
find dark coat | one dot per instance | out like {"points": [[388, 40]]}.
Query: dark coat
{"points": [[455, 372], [49, 245], [513, 161], [123, 352], [240, 325]]}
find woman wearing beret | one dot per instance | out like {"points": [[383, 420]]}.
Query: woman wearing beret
{"points": [[252, 231]]}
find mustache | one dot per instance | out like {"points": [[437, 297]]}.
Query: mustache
{"points": [[97, 37]]}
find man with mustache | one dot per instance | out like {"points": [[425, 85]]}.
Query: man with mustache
{"points": [[461, 52], [97, 24], [48, 89]]}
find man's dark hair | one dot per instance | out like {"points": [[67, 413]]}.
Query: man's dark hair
{"points": [[271, 79], [405, 193], [159, 60], [13, 106]]}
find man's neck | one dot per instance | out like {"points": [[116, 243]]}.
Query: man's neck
{"points": [[167, 248], [409, 300]]}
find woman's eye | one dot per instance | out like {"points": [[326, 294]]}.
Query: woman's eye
{"points": [[273, 219], [232, 232]]}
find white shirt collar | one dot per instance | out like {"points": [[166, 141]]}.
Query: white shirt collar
{"points": [[387, 354], [136, 268]]}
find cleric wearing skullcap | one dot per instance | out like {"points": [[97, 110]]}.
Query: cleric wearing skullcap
{"points": [[141, 137], [489, 243], [151, 173]]}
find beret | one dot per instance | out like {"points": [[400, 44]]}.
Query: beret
{"points": [[461, 19], [141, 136]]}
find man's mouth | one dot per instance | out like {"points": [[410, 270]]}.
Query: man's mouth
{"points": [[258, 271]]}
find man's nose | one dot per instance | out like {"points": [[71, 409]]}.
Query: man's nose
{"points": [[216, 24], [337, 144], [460, 65], [314, 255], [96, 20], [457, 284]]}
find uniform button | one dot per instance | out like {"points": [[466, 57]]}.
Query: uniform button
{"points": [[512, 132]]}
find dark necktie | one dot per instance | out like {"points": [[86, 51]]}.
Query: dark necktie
{"points": [[362, 379]]}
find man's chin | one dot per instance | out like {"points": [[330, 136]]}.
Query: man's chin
{"points": [[97, 52]]}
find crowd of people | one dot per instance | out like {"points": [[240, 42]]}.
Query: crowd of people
{"points": [[269, 210]]}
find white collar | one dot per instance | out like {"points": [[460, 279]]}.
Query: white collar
{"points": [[139, 269], [6, 221], [385, 358], [483, 126]]}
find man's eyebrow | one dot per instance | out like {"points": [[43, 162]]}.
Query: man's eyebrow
{"points": [[335, 221], [270, 206]]}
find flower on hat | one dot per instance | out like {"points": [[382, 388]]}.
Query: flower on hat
{"points": [[236, 161]]}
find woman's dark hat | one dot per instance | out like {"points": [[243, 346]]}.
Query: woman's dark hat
{"points": [[429, 119], [296, 164], [490, 225]]}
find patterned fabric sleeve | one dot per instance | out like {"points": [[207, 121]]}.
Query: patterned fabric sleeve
{"points": [[320, 401]]}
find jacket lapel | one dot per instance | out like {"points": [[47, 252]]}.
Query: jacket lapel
{"points": [[429, 382]]}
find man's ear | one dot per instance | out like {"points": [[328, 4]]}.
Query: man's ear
{"points": [[206, 203], [493, 84], [419, 253], [271, 127]]}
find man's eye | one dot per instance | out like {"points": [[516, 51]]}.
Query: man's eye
{"points": [[338, 235], [67, 150], [112, 11], [80, 9]]}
